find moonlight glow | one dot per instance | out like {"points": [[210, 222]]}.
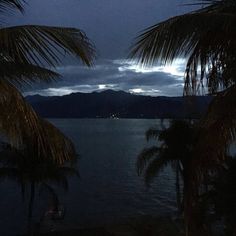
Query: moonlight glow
{"points": [[175, 69]]}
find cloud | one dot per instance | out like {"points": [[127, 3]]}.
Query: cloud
{"points": [[176, 69], [118, 75], [112, 26]]}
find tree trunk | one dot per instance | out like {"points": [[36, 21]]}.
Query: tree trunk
{"points": [[177, 187], [30, 209]]}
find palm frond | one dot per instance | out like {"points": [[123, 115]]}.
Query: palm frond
{"points": [[21, 74], [177, 36], [218, 130], [32, 44], [56, 144], [154, 168], [26, 169], [145, 156], [29, 133], [206, 37], [210, 5], [9, 5], [152, 133]]}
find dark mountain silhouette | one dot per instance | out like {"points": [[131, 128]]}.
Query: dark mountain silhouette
{"points": [[120, 104]]}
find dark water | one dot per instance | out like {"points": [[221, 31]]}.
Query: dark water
{"points": [[109, 190]]}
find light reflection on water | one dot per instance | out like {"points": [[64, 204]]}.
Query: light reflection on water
{"points": [[109, 189]]}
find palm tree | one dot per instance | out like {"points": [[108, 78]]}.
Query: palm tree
{"points": [[207, 39], [26, 55], [34, 174], [224, 193], [174, 147]]}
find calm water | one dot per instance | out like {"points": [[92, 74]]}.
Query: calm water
{"points": [[109, 190]]}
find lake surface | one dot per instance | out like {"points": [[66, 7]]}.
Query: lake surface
{"points": [[109, 190]]}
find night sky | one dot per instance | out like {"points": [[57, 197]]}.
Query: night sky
{"points": [[112, 26]]}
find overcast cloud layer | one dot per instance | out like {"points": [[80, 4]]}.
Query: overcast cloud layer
{"points": [[112, 26], [116, 75]]}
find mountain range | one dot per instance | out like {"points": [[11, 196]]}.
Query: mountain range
{"points": [[118, 104]]}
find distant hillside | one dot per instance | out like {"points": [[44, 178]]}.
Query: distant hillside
{"points": [[118, 104]]}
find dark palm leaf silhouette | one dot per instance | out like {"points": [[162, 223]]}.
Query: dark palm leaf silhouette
{"points": [[28, 132], [34, 174], [6, 5], [174, 147], [207, 39], [223, 195], [24, 53], [44, 44]]}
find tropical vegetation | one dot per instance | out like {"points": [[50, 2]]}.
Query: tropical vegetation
{"points": [[223, 196], [174, 146], [34, 175], [206, 38], [27, 54]]}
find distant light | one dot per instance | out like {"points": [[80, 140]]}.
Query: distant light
{"points": [[145, 91], [102, 86], [136, 90], [106, 86]]}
